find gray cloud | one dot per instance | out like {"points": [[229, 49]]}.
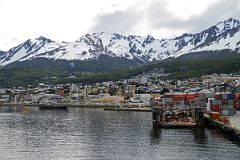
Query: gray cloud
{"points": [[159, 17], [119, 21], [216, 12]]}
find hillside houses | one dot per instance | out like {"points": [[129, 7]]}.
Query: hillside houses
{"points": [[136, 91]]}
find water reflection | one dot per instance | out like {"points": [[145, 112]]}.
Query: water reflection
{"points": [[200, 136], [155, 135], [11, 109], [84, 133]]}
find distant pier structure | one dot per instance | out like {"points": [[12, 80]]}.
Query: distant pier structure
{"points": [[177, 117]]}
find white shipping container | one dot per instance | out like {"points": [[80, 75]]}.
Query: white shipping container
{"points": [[230, 102], [208, 95], [2, 91], [166, 100], [230, 107], [215, 101], [224, 96], [229, 112], [224, 107], [225, 112], [208, 107], [210, 99], [227, 107]]}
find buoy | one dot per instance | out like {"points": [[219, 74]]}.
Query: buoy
{"points": [[26, 110]]}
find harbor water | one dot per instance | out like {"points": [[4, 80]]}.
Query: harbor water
{"points": [[86, 133]]}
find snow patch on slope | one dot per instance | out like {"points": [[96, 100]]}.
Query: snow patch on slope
{"points": [[224, 35]]}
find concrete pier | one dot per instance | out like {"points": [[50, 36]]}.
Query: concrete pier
{"points": [[145, 109], [182, 118], [235, 120], [229, 129]]}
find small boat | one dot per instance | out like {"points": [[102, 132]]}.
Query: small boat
{"points": [[52, 105]]}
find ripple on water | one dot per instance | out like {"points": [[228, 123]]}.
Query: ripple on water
{"points": [[83, 133]]}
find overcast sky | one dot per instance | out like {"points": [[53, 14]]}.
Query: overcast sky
{"points": [[67, 20]]}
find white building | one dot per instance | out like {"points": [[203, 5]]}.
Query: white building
{"points": [[143, 80], [2, 91], [74, 88]]}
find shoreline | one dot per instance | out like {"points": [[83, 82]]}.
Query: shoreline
{"points": [[106, 107], [68, 105], [135, 109]]}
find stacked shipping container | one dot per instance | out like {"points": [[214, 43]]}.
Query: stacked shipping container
{"points": [[236, 101], [181, 96], [222, 103]]}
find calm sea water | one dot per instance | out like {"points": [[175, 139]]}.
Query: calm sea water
{"points": [[83, 133]]}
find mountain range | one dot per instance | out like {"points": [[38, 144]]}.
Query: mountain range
{"points": [[119, 50]]}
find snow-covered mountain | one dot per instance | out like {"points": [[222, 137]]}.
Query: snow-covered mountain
{"points": [[2, 54], [223, 35]]}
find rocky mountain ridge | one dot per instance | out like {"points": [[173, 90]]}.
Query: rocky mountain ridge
{"points": [[222, 36]]}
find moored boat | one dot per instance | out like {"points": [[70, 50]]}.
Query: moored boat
{"points": [[52, 105]]}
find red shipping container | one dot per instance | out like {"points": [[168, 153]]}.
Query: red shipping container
{"points": [[237, 95], [224, 102], [178, 99], [215, 116], [61, 92], [218, 96], [217, 108], [179, 96], [191, 96], [237, 98], [237, 104], [234, 103], [184, 97]]}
